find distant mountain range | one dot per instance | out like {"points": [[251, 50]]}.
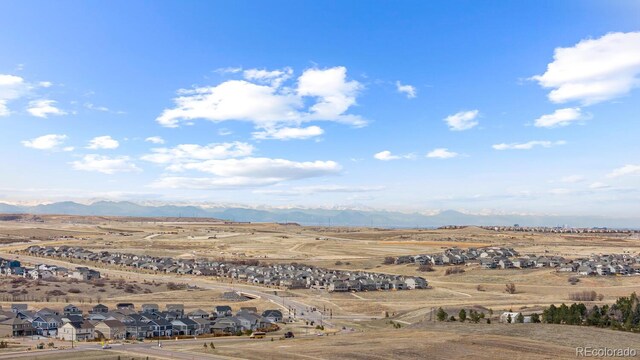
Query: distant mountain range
{"points": [[317, 216]]}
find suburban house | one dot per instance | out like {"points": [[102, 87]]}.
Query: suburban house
{"points": [[110, 330], [76, 332]]}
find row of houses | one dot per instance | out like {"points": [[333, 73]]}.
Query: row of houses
{"points": [[457, 256], [550, 229], [603, 264], [124, 322], [508, 258], [13, 267], [44, 271], [281, 275]]}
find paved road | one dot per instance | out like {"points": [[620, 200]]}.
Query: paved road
{"points": [[297, 306]]}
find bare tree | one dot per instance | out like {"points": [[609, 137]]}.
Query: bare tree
{"points": [[510, 288]]}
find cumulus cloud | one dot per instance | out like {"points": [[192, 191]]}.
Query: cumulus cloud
{"points": [[248, 171], [43, 108], [408, 90], [594, 70], [192, 152], [528, 145], [262, 99], [625, 171], [105, 164], [46, 142], [560, 117], [103, 142], [11, 87], [386, 155], [441, 153], [14, 87], [155, 140], [463, 120], [288, 133]]}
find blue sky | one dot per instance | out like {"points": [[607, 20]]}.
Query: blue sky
{"points": [[485, 107]]}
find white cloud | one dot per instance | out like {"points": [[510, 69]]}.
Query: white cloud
{"points": [[572, 179], [288, 133], [624, 171], [224, 132], [594, 70], [528, 145], [229, 70], [560, 117], [386, 155], [598, 185], [43, 108], [155, 140], [442, 153], [11, 88], [463, 120], [105, 164], [4, 109], [45, 142], [192, 152], [246, 172], [270, 105], [91, 106], [103, 142], [45, 84], [315, 189], [274, 78], [409, 90]]}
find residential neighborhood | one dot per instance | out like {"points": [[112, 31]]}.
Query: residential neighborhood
{"points": [[289, 276], [508, 258], [127, 322]]}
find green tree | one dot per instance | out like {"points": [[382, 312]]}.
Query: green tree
{"points": [[441, 315], [520, 318], [462, 315], [535, 318]]}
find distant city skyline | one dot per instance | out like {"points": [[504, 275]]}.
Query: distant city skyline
{"points": [[514, 108]]}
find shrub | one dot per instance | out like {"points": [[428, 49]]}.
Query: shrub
{"points": [[454, 270], [584, 296], [74, 291], [573, 280], [510, 288], [426, 268], [389, 260]]}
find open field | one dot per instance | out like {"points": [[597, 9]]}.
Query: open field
{"points": [[345, 249]]}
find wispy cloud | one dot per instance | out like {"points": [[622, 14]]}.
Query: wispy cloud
{"points": [[289, 133], [560, 117], [155, 140], [386, 155], [528, 145], [442, 153], [105, 164], [625, 171], [409, 90]]}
